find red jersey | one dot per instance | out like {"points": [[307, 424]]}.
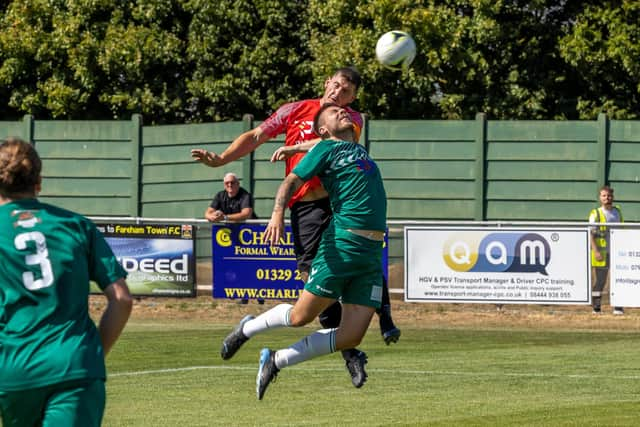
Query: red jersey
{"points": [[296, 119]]}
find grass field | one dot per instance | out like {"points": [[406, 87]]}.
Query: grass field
{"points": [[166, 371]]}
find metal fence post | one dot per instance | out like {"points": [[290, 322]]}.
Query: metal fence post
{"points": [[603, 143], [27, 133], [247, 162], [136, 168], [481, 142]]}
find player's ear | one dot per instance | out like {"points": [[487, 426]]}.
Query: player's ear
{"points": [[323, 130], [39, 185]]}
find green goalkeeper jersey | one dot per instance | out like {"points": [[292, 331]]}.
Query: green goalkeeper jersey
{"points": [[353, 181], [47, 257]]}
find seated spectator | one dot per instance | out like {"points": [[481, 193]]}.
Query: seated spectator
{"points": [[234, 203]]}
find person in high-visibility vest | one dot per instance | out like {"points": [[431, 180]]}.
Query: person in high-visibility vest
{"points": [[599, 238]]}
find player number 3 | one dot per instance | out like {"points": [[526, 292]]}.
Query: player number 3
{"points": [[40, 257]]}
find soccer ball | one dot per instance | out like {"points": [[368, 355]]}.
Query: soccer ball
{"points": [[395, 50]]}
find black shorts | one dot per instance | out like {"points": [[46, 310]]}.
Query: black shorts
{"points": [[308, 221]]}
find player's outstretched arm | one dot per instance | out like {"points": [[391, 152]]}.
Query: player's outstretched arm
{"points": [[240, 147], [116, 315], [275, 228], [287, 151]]}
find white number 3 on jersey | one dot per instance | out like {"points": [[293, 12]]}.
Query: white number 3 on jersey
{"points": [[40, 257]]}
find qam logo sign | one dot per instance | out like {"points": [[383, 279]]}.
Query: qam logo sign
{"points": [[497, 253]]}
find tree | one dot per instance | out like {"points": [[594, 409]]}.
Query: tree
{"points": [[177, 61], [247, 56], [172, 61], [500, 57], [92, 59], [604, 47]]}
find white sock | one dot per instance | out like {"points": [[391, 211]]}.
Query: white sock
{"points": [[317, 344], [277, 317]]}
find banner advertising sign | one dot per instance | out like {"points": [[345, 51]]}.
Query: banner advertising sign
{"points": [[246, 266], [625, 267], [159, 259], [497, 265]]}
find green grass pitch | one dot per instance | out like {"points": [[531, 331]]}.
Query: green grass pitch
{"points": [[169, 373]]}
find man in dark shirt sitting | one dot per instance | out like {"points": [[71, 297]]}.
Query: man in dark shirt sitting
{"points": [[234, 203]]}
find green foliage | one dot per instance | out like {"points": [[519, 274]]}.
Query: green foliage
{"points": [[92, 59], [604, 45], [247, 56], [177, 61], [499, 57]]}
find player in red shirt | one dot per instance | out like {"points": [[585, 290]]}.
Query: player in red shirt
{"points": [[310, 208], [296, 120]]}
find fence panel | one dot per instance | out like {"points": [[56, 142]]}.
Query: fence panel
{"points": [[623, 166], [16, 129], [428, 167], [172, 184], [88, 166], [541, 170]]}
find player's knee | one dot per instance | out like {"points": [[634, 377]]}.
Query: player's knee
{"points": [[297, 319], [330, 317]]}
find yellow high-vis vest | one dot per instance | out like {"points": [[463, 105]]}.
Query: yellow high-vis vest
{"points": [[600, 235]]}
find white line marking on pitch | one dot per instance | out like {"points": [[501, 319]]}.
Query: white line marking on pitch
{"points": [[391, 371]]}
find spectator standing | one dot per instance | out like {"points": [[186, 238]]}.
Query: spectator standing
{"points": [[599, 239]]}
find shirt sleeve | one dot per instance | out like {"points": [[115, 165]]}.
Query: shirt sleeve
{"points": [[276, 124], [246, 201], [216, 203], [314, 162]]}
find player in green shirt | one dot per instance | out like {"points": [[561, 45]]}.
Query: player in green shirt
{"points": [[52, 370], [348, 264]]}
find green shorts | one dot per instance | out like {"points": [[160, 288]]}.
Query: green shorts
{"points": [[347, 267], [77, 403]]}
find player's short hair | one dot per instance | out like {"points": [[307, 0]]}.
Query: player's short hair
{"points": [[20, 167], [351, 74], [606, 188], [316, 118]]}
